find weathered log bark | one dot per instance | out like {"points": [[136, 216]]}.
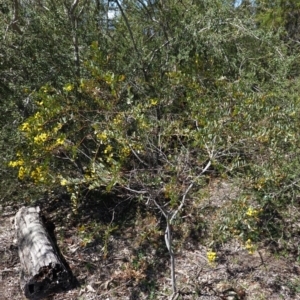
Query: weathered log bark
{"points": [[42, 268]]}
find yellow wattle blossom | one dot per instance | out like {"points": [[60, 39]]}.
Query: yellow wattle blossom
{"points": [[252, 212], [153, 102], [68, 87], [45, 89], [63, 182], [125, 151], [16, 163], [118, 119], [59, 141], [138, 147], [37, 115], [22, 173], [58, 127], [25, 126], [102, 136], [41, 138], [88, 177], [108, 149], [261, 183], [109, 157], [211, 256], [37, 175], [249, 246]]}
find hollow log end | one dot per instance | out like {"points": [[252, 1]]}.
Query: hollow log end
{"points": [[49, 279]]}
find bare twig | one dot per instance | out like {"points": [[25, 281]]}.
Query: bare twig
{"points": [[73, 6], [128, 26], [242, 28], [131, 36], [137, 156], [14, 23], [187, 191], [135, 191]]}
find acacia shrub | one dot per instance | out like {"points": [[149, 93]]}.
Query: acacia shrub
{"points": [[147, 126]]}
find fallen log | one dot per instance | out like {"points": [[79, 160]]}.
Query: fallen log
{"points": [[42, 268]]}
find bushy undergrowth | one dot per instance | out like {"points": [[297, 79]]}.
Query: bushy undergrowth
{"points": [[160, 113]]}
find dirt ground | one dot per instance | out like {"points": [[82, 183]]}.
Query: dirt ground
{"points": [[128, 266]]}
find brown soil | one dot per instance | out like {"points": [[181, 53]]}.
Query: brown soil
{"points": [[133, 263]]}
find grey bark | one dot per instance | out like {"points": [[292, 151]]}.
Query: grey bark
{"points": [[42, 268]]}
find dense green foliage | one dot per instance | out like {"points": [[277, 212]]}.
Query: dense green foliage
{"points": [[154, 103]]}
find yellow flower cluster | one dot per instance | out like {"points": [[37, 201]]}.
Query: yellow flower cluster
{"points": [[45, 89], [22, 169], [211, 256], [68, 87], [60, 141], [125, 151], [57, 127], [41, 138], [22, 173], [261, 183], [25, 127], [118, 119], [63, 182], [252, 212], [102, 136], [153, 102], [108, 149], [38, 175], [138, 147], [37, 115], [16, 163], [108, 152], [249, 246]]}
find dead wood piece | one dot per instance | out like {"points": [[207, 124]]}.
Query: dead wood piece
{"points": [[42, 269]]}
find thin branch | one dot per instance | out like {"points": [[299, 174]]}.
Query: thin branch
{"points": [[128, 26], [135, 191], [242, 28], [83, 7], [131, 36], [14, 23], [140, 160], [159, 207], [157, 49], [73, 7], [187, 191]]}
